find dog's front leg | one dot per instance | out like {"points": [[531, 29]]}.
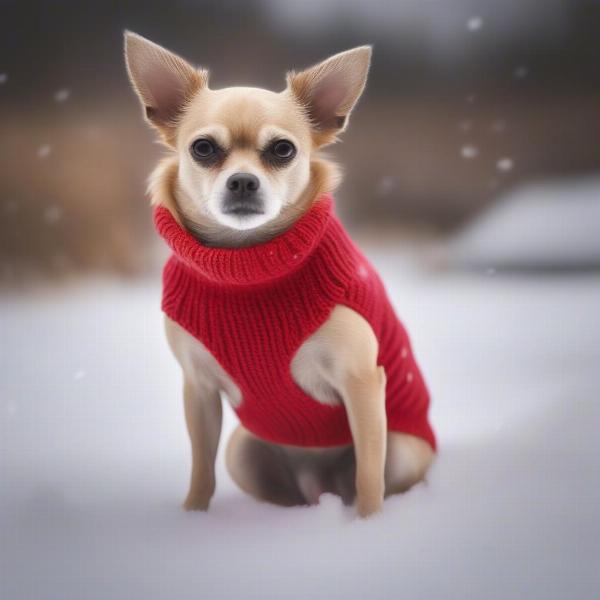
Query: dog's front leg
{"points": [[364, 398], [203, 411], [342, 355], [203, 415]]}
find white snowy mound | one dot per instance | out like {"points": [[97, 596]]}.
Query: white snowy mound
{"points": [[546, 225]]}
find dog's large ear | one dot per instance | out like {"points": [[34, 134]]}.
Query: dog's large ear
{"points": [[163, 81], [328, 91]]}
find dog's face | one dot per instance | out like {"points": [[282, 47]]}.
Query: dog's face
{"points": [[245, 156]]}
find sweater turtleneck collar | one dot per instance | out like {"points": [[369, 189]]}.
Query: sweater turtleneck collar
{"points": [[251, 265]]}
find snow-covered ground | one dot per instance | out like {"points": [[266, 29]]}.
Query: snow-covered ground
{"points": [[94, 457], [548, 224]]}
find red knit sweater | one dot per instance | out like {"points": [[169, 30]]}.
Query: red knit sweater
{"points": [[254, 307]]}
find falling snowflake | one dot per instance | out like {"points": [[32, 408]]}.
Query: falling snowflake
{"points": [[52, 214], [44, 151], [386, 185], [474, 23], [505, 165], [465, 125], [62, 95], [79, 375], [490, 271], [409, 377], [362, 271], [498, 126], [469, 152], [404, 352], [3, 78], [521, 72], [470, 99]]}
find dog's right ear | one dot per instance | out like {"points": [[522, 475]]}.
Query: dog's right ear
{"points": [[328, 91], [163, 81]]}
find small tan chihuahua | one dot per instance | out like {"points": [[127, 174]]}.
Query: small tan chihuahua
{"points": [[267, 299]]}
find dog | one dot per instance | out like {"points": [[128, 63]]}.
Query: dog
{"points": [[268, 302]]}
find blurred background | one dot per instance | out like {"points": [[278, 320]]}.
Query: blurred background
{"points": [[467, 100], [472, 183]]}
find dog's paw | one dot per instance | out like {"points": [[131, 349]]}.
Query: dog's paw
{"points": [[369, 507], [196, 503]]}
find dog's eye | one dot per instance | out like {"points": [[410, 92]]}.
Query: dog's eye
{"points": [[203, 149], [283, 149]]}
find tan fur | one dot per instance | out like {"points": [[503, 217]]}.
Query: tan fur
{"points": [[351, 67], [162, 183], [147, 63], [238, 119], [342, 354], [162, 188], [338, 363]]}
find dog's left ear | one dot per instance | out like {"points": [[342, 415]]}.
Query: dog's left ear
{"points": [[163, 81], [328, 91]]}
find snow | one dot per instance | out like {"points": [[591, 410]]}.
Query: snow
{"points": [[386, 185], [80, 374], [52, 214], [44, 151], [474, 24], [62, 95], [469, 152], [94, 456], [521, 72], [498, 126], [465, 125], [540, 225], [505, 164]]}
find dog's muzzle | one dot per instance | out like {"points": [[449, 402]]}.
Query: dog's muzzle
{"points": [[242, 196]]}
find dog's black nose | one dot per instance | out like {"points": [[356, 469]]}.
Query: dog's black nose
{"points": [[242, 197], [243, 185]]}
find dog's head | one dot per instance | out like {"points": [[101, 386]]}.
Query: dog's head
{"points": [[245, 158]]}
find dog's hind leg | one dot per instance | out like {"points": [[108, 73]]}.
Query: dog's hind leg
{"points": [[289, 475], [262, 469], [407, 460]]}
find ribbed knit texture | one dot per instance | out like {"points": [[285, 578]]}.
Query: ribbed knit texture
{"points": [[254, 307]]}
